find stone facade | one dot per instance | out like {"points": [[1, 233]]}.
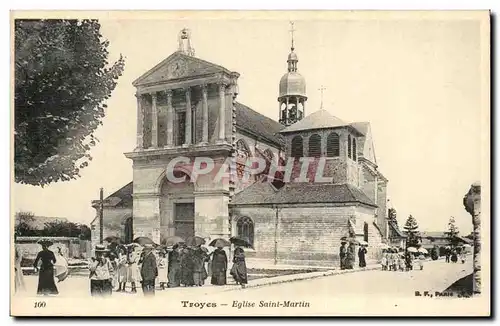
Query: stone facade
{"points": [[186, 107]]}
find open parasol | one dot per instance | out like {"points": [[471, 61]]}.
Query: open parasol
{"points": [[412, 249], [467, 245], [219, 243], [423, 250], [171, 241], [61, 270], [243, 242], [363, 243], [144, 241], [113, 239], [195, 241]]}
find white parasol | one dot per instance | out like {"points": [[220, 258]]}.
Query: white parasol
{"points": [[412, 249], [467, 245], [423, 250], [61, 270]]}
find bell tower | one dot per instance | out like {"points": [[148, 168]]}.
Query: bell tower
{"points": [[292, 90]]}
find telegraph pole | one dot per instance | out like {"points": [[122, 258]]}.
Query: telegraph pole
{"points": [[101, 216]]}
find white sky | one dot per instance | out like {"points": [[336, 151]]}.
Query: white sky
{"points": [[417, 82]]}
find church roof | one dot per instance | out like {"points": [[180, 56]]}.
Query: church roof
{"points": [[258, 125], [320, 119], [300, 193], [120, 198]]}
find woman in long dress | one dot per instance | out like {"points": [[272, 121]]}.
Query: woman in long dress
{"points": [[239, 269], [361, 255], [18, 272], [174, 267], [199, 257], [187, 267], [162, 270], [218, 267], [46, 283]]}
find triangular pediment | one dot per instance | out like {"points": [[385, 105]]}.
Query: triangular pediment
{"points": [[178, 66]]}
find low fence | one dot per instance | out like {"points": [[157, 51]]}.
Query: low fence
{"points": [[69, 247]]}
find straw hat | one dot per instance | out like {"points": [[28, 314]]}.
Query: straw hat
{"points": [[100, 248], [45, 242]]}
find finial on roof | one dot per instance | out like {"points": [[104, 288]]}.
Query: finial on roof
{"points": [[291, 31], [321, 89], [185, 42]]}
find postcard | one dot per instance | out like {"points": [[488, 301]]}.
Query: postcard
{"points": [[250, 163]]}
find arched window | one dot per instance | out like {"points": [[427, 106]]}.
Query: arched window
{"points": [[365, 232], [297, 147], [349, 150], [354, 149], [315, 146], [245, 228], [332, 145]]}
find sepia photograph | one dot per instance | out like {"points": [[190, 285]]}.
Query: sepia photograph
{"points": [[250, 163]]}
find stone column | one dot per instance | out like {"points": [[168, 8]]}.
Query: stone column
{"points": [[170, 119], [205, 113], [154, 121], [287, 112], [140, 122], [303, 108], [188, 117], [222, 112]]}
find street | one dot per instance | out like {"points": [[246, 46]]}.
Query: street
{"points": [[436, 275], [357, 292]]}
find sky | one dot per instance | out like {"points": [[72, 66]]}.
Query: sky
{"points": [[418, 83]]}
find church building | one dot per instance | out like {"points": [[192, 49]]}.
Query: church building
{"points": [[187, 107]]}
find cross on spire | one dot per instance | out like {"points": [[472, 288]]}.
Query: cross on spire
{"points": [[321, 89], [291, 31]]}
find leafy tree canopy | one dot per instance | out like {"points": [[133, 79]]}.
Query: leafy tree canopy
{"points": [[62, 79], [24, 227]]}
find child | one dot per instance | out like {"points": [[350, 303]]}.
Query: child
{"points": [[114, 264], [162, 270], [401, 262], [383, 262], [394, 260], [421, 259]]}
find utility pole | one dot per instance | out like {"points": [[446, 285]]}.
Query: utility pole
{"points": [[101, 216], [276, 236]]}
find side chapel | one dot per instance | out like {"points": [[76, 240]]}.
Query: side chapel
{"points": [[187, 106]]}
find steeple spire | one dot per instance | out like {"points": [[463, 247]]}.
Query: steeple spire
{"points": [[292, 57]]}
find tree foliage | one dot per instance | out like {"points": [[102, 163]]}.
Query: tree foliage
{"points": [[411, 228], [62, 80], [452, 231], [24, 227]]}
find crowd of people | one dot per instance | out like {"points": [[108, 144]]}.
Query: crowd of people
{"points": [[397, 259], [154, 268], [456, 253]]}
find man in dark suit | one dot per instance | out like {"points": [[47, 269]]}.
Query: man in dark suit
{"points": [[149, 270]]}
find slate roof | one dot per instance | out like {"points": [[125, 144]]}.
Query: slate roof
{"points": [[300, 193], [258, 124], [320, 119]]}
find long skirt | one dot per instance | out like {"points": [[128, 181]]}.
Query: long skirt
{"points": [[122, 273], [46, 283], [239, 272], [219, 278], [102, 288], [198, 278], [174, 277]]}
